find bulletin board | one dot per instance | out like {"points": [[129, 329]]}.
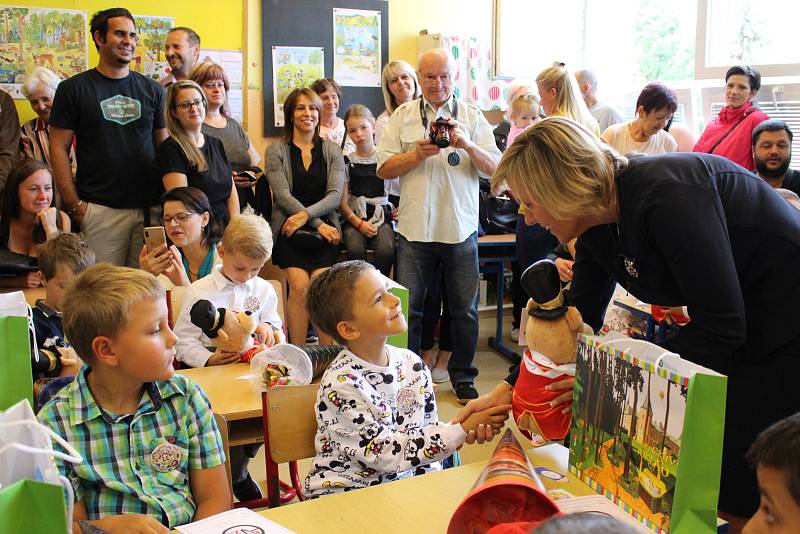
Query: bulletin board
{"points": [[309, 23]]}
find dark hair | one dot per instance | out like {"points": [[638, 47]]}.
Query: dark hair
{"points": [[656, 96], [594, 522], [10, 208], [330, 298], [323, 84], [99, 22], [288, 111], [65, 249], [191, 35], [771, 125], [746, 70], [197, 202], [778, 447]]}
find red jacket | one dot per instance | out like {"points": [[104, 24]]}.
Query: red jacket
{"points": [[737, 146]]}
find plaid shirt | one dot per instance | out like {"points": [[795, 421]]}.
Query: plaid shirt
{"points": [[130, 462]]}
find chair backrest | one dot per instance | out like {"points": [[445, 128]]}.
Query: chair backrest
{"points": [[292, 422], [276, 285], [176, 294]]}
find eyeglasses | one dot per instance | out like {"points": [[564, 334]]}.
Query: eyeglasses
{"points": [[433, 79], [214, 85], [179, 218], [186, 106]]}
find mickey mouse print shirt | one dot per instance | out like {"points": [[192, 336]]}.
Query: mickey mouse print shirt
{"points": [[376, 424]]}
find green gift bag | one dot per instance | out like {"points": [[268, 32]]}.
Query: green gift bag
{"points": [[647, 432], [16, 378], [32, 506]]}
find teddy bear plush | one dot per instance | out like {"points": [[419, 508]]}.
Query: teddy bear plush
{"points": [[228, 331], [551, 335]]}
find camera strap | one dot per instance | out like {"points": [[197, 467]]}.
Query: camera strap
{"points": [[452, 158]]}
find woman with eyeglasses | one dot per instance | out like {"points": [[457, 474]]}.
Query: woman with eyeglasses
{"points": [[194, 233], [730, 134], [190, 158], [219, 123]]}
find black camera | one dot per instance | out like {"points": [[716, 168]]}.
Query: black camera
{"points": [[440, 133]]}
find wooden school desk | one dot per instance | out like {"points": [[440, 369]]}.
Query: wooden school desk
{"points": [[417, 504]]}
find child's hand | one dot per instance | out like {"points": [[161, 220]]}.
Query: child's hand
{"points": [[265, 335], [130, 524], [70, 362], [495, 417], [221, 357]]}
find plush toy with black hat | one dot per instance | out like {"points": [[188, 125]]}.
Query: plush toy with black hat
{"points": [[228, 331], [551, 335]]}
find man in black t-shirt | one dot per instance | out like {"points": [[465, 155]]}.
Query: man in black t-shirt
{"points": [[772, 154], [117, 119]]}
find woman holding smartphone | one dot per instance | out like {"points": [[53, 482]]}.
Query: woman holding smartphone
{"points": [[219, 123], [27, 216], [190, 158], [194, 233]]}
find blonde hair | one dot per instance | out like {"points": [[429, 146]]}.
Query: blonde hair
{"points": [[560, 164], [524, 103], [249, 235], [100, 302], [392, 69], [569, 102], [358, 111], [193, 153]]}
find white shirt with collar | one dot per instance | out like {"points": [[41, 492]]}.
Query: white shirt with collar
{"points": [[256, 295], [439, 202]]}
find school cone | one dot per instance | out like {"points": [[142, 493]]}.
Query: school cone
{"points": [[507, 497]]}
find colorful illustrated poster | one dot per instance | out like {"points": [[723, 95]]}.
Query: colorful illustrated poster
{"points": [[357, 47], [33, 37], [150, 58], [292, 67]]}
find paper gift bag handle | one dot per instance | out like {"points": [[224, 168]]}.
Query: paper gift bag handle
{"points": [[73, 457]]}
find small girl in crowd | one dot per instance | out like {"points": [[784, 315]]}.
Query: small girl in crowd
{"points": [[365, 206], [524, 112]]}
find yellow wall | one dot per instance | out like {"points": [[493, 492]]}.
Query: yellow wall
{"points": [[219, 24]]}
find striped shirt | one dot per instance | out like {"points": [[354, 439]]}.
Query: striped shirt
{"points": [[137, 463]]}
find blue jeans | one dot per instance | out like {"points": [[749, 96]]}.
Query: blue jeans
{"points": [[416, 269]]}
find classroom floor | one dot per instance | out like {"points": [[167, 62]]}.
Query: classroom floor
{"points": [[492, 367]]}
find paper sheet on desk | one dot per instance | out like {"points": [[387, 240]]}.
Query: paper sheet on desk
{"points": [[599, 504], [248, 376], [241, 521]]}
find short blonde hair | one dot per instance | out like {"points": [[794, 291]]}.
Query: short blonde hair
{"points": [[100, 301], [569, 102], [524, 103], [560, 164], [249, 235]]}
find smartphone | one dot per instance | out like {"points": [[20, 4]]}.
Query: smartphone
{"points": [[247, 174], [154, 236]]}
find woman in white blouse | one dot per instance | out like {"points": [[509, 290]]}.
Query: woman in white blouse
{"points": [[645, 134]]}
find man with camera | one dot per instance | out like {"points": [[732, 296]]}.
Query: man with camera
{"points": [[438, 146]]}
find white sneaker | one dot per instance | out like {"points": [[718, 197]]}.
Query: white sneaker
{"points": [[440, 375], [514, 335]]}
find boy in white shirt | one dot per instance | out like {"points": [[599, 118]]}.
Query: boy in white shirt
{"points": [[376, 410], [235, 285]]}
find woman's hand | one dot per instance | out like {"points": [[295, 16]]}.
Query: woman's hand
{"points": [[242, 181], [330, 233], [293, 223], [499, 396], [395, 214], [565, 399], [564, 269], [47, 218], [156, 261], [367, 229], [175, 270]]}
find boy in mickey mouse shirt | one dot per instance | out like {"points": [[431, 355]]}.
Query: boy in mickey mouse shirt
{"points": [[376, 410]]}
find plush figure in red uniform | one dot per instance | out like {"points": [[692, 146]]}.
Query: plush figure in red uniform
{"points": [[551, 335]]}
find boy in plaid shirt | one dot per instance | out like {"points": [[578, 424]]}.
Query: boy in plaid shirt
{"points": [[152, 453]]}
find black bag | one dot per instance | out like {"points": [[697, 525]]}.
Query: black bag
{"points": [[14, 264], [307, 239], [496, 215], [262, 198]]}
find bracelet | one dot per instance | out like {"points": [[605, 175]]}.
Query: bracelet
{"points": [[74, 210], [359, 225]]}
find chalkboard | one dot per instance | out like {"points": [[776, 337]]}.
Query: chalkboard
{"points": [[310, 23]]}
